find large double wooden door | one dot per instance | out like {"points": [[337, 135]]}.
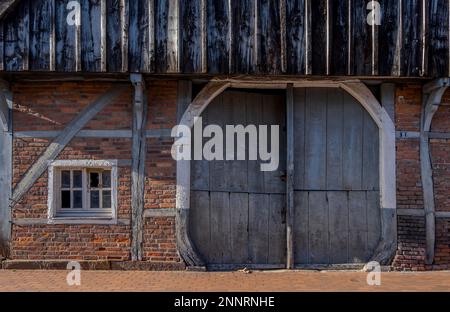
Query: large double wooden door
{"points": [[238, 212]]}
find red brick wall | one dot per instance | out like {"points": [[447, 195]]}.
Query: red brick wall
{"points": [[411, 230], [46, 107]]}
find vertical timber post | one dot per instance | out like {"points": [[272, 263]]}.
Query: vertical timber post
{"points": [[138, 166], [290, 177], [5, 168]]}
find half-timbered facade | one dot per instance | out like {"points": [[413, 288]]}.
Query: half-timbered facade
{"points": [[90, 91]]}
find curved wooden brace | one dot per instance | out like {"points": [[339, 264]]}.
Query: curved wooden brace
{"points": [[433, 93], [388, 244], [360, 92], [185, 246]]}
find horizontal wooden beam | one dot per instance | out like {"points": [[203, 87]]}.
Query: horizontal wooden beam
{"points": [[43, 221], [151, 133], [165, 212]]}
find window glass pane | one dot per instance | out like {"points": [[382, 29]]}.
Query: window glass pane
{"points": [[106, 199], [95, 199], [77, 199], [65, 199], [106, 179], [94, 179], [65, 179], [77, 179]]}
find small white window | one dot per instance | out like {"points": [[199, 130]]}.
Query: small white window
{"points": [[83, 190]]}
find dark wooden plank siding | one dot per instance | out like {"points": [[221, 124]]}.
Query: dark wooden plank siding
{"points": [[388, 41], [161, 31], [41, 18], [17, 28], [65, 35], [438, 51], [339, 38], [139, 37], [113, 36], [411, 56], [218, 36], [319, 37], [91, 35], [361, 40], [244, 32], [191, 36], [295, 36], [269, 37]]}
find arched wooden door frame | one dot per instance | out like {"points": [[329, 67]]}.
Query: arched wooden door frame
{"points": [[388, 243]]}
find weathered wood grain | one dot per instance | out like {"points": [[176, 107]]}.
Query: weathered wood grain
{"points": [[113, 36], [295, 36], [91, 53], [269, 37], [319, 37], [41, 18], [244, 32], [438, 36]]}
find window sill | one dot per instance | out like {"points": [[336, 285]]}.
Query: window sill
{"points": [[83, 220]]}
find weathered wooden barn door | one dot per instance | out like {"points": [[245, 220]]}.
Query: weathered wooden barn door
{"points": [[237, 211], [336, 180]]}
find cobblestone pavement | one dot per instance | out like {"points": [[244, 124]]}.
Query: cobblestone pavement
{"points": [[214, 281]]}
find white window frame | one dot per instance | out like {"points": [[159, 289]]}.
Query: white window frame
{"points": [[56, 214]]}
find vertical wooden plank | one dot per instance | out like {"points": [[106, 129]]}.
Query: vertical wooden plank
{"points": [[352, 144], [370, 150], [217, 167], [411, 57], [361, 33], [274, 114], [124, 23], [373, 222], [318, 37], [103, 45], [269, 38], [173, 39], [315, 139], [2, 47], [290, 177], [277, 230], [40, 33], [295, 37], [218, 43], [283, 33], [191, 37], [65, 40], [91, 53], [301, 228], [139, 37], [239, 227], [235, 114], [299, 138], [200, 223], [438, 38], [389, 33], [357, 227], [255, 116], [259, 209], [318, 228], [16, 27], [220, 247], [113, 36], [335, 134], [167, 36], [338, 227], [244, 32], [339, 37], [200, 174], [308, 37]]}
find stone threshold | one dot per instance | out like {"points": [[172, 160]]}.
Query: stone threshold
{"points": [[94, 265]]}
